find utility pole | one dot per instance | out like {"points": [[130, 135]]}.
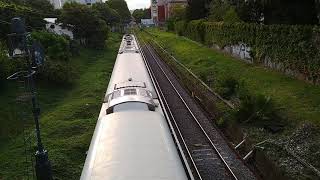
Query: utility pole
{"points": [[34, 57]]}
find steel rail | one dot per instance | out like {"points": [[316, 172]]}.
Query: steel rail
{"points": [[166, 108], [194, 117]]}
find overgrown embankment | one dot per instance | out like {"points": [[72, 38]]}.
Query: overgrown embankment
{"points": [[263, 98], [68, 118], [293, 50]]}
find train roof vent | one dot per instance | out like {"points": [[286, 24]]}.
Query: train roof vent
{"points": [[128, 92], [128, 37], [116, 94], [129, 84]]}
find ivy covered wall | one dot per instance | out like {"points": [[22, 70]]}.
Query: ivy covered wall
{"points": [[294, 50]]}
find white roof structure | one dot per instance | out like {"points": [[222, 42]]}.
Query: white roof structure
{"points": [[121, 150], [50, 20], [129, 66]]}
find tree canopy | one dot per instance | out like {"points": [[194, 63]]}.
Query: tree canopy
{"points": [[139, 14], [88, 27], [197, 9], [267, 11], [33, 11], [122, 8], [178, 12], [290, 12], [110, 16]]}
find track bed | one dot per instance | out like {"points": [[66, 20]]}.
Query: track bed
{"points": [[210, 156]]}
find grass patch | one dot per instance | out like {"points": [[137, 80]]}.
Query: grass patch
{"points": [[68, 117]]}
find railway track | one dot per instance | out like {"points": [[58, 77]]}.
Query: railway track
{"points": [[209, 156]]}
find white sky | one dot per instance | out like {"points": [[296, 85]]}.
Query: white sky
{"points": [[137, 4]]}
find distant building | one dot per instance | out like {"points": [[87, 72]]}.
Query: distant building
{"points": [[56, 28], [58, 4], [154, 10], [161, 10], [147, 22]]}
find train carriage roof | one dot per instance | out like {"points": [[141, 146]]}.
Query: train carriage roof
{"points": [[133, 146]]}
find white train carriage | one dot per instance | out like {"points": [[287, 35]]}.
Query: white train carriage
{"points": [[132, 140]]}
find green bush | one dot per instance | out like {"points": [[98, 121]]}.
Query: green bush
{"points": [[56, 47], [170, 25], [229, 87], [195, 30], [97, 37], [259, 110], [57, 67], [179, 27], [58, 72], [231, 16], [7, 66]]}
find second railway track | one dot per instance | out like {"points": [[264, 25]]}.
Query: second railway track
{"points": [[210, 157]]}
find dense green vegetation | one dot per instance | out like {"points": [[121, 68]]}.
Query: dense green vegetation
{"points": [[253, 11], [109, 15], [33, 11], [91, 25], [122, 8], [91, 30], [139, 14], [294, 48], [70, 84], [68, 116], [299, 100]]}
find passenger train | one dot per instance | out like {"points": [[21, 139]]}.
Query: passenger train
{"points": [[132, 139]]}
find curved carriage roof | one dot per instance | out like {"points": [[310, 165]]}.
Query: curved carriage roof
{"points": [[133, 145]]}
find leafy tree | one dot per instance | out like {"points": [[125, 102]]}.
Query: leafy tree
{"points": [[122, 8], [178, 12], [56, 47], [267, 11], [110, 16], [231, 16], [88, 27], [290, 12], [197, 9], [34, 11], [218, 9], [139, 14], [250, 11], [57, 68]]}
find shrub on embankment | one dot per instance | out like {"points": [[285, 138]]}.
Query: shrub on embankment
{"points": [[291, 49], [57, 68]]}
